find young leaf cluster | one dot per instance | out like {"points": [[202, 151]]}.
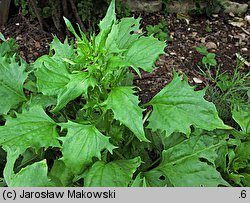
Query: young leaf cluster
{"points": [[80, 123], [159, 31]]}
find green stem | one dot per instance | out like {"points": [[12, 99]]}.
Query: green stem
{"points": [[156, 161], [146, 116], [129, 141], [64, 115], [101, 117], [119, 154]]}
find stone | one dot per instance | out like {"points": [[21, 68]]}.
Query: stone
{"points": [[37, 45], [234, 7], [244, 49], [144, 5], [172, 53], [211, 45], [203, 40], [197, 80], [231, 14], [180, 6], [18, 38], [185, 6], [247, 18]]}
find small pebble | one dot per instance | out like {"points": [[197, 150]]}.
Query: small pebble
{"points": [[172, 53], [203, 40], [197, 80], [211, 45], [18, 38], [244, 49], [247, 18], [30, 56], [37, 45], [194, 34]]}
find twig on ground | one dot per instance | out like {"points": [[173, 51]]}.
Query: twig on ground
{"points": [[36, 11], [74, 9]]}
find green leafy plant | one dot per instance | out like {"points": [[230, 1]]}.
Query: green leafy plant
{"points": [[159, 31], [239, 161], [81, 123], [91, 11], [7, 47], [208, 61], [208, 27], [23, 6], [122, 9], [227, 90], [207, 7], [201, 7]]}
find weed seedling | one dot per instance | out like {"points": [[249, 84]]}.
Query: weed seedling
{"points": [[159, 31]]}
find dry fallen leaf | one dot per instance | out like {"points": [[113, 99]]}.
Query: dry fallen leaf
{"points": [[237, 22]]}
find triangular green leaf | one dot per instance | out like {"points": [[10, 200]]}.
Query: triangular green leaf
{"points": [[41, 100], [81, 144], [121, 36], [144, 52], [12, 77], [116, 62], [110, 17], [105, 26], [242, 117], [156, 178], [34, 175], [33, 128], [123, 97], [71, 28], [113, 174], [2, 37], [52, 75], [53, 78], [60, 174], [78, 84], [177, 106], [246, 179], [190, 163], [242, 156], [62, 50], [139, 181]]}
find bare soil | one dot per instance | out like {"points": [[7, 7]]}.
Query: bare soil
{"points": [[180, 53]]}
